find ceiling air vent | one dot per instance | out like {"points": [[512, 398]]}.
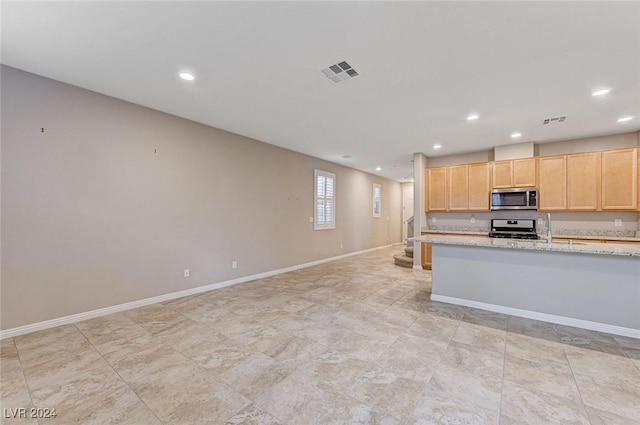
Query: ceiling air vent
{"points": [[554, 119], [339, 72]]}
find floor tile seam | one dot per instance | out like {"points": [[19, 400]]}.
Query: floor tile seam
{"points": [[504, 361], [628, 362], [252, 400], [545, 392], [537, 338], [24, 377], [425, 385], [484, 351], [259, 407], [183, 317], [169, 346], [124, 381], [435, 369], [607, 411], [536, 363], [461, 399], [573, 374], [635, 362]]}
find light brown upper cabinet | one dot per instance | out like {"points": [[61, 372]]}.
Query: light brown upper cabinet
{"points": [[583, 181], [503, 174], [552, 183], [479, 186], [514, 173], [524, 172], [620, 179], [458, 187], [436, 189]]}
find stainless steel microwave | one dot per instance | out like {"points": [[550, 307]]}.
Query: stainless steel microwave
{"points": [[519, 198]]}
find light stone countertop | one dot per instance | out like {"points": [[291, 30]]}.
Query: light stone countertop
{"points": [[582, 247]]}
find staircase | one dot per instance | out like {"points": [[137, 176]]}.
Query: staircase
{"points": [[406, 259]]}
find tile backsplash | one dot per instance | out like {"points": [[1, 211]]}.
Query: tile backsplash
{"points": [[562, 223]]}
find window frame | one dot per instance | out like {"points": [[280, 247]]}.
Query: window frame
{"points": [[316, 224]]}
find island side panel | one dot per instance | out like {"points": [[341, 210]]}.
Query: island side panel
{"points": [[597, 288]]}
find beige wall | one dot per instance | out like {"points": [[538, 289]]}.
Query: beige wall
{"points": [[464, 158], [114, 200], [614, 141]]}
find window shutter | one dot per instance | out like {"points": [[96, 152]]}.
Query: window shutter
{"points": [[325, 200], [377, 199]]}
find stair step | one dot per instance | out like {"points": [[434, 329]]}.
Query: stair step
{"points": [[408, 251], [403, 261]]}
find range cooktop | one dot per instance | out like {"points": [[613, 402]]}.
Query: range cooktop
{"points": [[513, 229]]}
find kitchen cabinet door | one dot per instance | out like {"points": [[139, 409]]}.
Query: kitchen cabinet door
{"points": [[620, 179], [552, 183], [583, 181], [479, 186], [436, 188], [458, 188], [524, 172], [502, 174]]}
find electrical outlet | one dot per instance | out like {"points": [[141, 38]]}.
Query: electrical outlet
{"points": [[341, 246], [234, 264], [185, 273], [617, 222], [310, 219], [473, 219], [433, 219], [540, 222]]}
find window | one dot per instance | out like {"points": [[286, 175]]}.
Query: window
{"points": [[376, 199], [325, 209]]}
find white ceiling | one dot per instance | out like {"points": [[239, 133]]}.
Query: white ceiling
{"points": [[424, 66]]}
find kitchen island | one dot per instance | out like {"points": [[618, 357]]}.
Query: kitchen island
{"points": [[588, 285]]}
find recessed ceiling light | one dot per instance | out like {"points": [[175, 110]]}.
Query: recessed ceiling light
{"points": [[346, 156], [600, 92], [473, 117], [516, 135], [187, 76], [437, 146], [378, 168], [625, 119]]}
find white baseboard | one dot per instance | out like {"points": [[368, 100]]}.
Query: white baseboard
{"points": [[543, 317], [74, 318]]}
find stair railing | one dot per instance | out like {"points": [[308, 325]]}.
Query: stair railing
{"points": [[409, 230]]}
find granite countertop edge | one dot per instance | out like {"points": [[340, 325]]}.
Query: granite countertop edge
{"points": [[613, 249]]}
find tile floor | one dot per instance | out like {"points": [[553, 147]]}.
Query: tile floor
{"points": [[355, 341]]}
